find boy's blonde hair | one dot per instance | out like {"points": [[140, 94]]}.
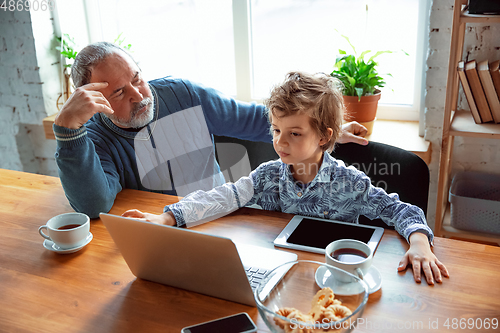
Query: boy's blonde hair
{"points": [[319, 96]]}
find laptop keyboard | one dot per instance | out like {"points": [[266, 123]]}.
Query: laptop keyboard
{"points": [[255, 275]]}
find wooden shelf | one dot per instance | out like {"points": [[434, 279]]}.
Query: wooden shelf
{"points": [[459, 123], [465, 17], [463, 124], [449, 231]]}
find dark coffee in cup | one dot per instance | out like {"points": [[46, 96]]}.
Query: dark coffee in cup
{"points": [[66, 231], [68, 226], [348, 255]]}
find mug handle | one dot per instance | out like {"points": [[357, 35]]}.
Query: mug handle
{"points": [[41, 232], [360, 274]]}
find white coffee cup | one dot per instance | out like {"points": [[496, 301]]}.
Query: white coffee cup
{"points": [[350, 255], [76, 228]]}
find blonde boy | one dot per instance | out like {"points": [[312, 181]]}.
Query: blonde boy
{"points": [[305, 113]]}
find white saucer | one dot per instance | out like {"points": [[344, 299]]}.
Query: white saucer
{"points": [[49, 245], [324, 279]]}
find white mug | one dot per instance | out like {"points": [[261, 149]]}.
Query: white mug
{"points": [[67, 238], [353, 256]]}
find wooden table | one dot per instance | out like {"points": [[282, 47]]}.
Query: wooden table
{"points": [[93, 290]]}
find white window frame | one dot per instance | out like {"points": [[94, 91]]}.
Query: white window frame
{"points": [[244, 71]]}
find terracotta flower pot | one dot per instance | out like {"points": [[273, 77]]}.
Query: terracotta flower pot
{"points": [[363, 110]]}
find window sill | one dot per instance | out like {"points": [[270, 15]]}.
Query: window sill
{"points": [[401, 134]]}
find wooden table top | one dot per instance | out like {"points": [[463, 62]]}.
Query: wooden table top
{"points": [[93, 290]]}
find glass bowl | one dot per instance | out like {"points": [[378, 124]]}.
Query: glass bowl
{"points": [[302, 300]]}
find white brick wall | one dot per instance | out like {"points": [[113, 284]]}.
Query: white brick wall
{"points": [[481, 43], [22, 142]]}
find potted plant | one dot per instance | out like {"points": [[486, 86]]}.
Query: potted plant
{"points": [[68, 53], [362, 85]]}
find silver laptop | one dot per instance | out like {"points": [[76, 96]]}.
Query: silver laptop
{"points": [[194, 261]]}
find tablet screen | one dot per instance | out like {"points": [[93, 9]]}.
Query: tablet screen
{"points": [[317, 233], [314, 234]]}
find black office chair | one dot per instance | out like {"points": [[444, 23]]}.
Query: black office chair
{"points": [[393, 169], [231, 150]]}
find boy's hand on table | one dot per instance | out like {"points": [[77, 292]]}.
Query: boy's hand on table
{"points": [[165, 218], [421, 258]]}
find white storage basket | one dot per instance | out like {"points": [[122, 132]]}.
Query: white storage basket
{"points": [[475, 202]]}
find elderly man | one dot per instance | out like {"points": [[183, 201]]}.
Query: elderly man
{"points": [[119, 131]]}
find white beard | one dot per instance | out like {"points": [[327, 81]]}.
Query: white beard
{"points": [[137, 121]]}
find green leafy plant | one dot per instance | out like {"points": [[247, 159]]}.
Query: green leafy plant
{"points": [[359, 76], [120, 42], [68, 48]]}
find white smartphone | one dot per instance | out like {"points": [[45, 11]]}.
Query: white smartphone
{"points": [[238, 323]]}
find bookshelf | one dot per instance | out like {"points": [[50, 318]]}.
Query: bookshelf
{"points": [[462, 124], [459, 123]]}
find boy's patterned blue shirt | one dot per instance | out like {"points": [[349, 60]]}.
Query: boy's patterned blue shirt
{"points": [[337, 192]]}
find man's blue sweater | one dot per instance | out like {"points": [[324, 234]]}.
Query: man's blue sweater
{"points": [[99, 159]]}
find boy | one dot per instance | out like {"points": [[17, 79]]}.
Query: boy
{"points": [[305, 113]]}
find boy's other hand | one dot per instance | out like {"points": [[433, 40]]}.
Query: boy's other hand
{"points": [[165, 218], [421, 258]]}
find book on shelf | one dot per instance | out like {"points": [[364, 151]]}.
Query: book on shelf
{"points": [[468, 92], [495, 75], [483, 70], [472, 75]]}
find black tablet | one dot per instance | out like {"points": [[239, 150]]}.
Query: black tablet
{"points": [[314, 234]]}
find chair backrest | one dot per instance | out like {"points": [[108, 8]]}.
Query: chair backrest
{"points": [[393, 169], [231, 151]]}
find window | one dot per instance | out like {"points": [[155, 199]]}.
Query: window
{"points": [[306, 35], [189, 39], [243, 47]]}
